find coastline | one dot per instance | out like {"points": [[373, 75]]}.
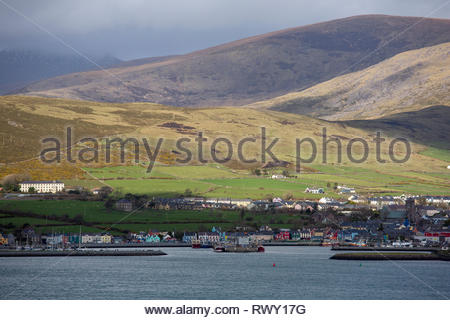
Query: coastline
{"points": [[182, 245]]}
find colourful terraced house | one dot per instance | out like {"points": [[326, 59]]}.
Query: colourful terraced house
{"points": [[152, 237], [3, 240], [282, 235]]}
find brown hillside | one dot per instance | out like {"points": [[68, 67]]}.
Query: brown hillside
{"points": [[409, 81], [255, 68]]}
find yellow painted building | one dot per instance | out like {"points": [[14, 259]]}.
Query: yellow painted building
{"points": [[3, 240], [106, 238]]}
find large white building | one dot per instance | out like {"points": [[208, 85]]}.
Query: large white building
{"points": [[42, 186]]}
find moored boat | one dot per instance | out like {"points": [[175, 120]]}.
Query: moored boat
{"points": [[219, 248], [196, 244]]}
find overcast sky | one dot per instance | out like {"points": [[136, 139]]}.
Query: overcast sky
{"points": [[144, 28]]}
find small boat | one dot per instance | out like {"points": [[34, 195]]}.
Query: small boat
{"points": [[196, 244], [219, 248], [326, 243]]}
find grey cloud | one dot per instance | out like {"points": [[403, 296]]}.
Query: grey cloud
{"points": [[138, 28]]}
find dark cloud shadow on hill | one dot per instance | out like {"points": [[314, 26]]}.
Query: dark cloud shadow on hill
{"points": [[429, 126]]}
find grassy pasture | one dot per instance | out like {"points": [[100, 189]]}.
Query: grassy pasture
{"points": [[97, 219], [211, 181], [436, 153], [424, 173]]}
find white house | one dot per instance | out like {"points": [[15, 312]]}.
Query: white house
{"points": [[314, 190], [241, 203], [96, 238], [379, 202], [208, 237], [357, 199], [437, 199], [344, 189], [42, 186], [327, 200]]}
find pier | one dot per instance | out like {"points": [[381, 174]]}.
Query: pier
{"points": [[80, 253], [415, 249], [385, 256]]}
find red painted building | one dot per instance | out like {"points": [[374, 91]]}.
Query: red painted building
{"points": [[283, 235]]}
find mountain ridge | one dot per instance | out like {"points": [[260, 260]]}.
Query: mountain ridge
{"points": [[255, 68]]}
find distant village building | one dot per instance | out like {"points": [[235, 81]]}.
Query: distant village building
{"points": [[314, 190], [189, 236], [11, 239], [152, 237], [427, 211], [261, 236], [209, 237], [380, 202], [241, 203], [394, 211], [305, 234], [124, 205], [357, 199], [327, 200], [303, 206], [42, 186], [259, 205], [328, 203], [103, 191], [3, 240], [438, 236], [283, 235], [437, 199], [96, 238], [344, 189]]}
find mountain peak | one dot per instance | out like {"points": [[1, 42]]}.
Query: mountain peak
{"points": [[255, 68]]}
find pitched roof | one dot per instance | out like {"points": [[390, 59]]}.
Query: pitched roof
{"points": [[34, 182]]}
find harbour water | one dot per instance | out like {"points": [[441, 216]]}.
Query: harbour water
{"points": [[185, 273]]}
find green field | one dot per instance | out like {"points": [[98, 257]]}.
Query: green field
{"points": [[96, 218], [180, 172], [218, 181], [436, 153]]}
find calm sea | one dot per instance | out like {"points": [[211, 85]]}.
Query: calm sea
{"points": [[185, 273]]}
